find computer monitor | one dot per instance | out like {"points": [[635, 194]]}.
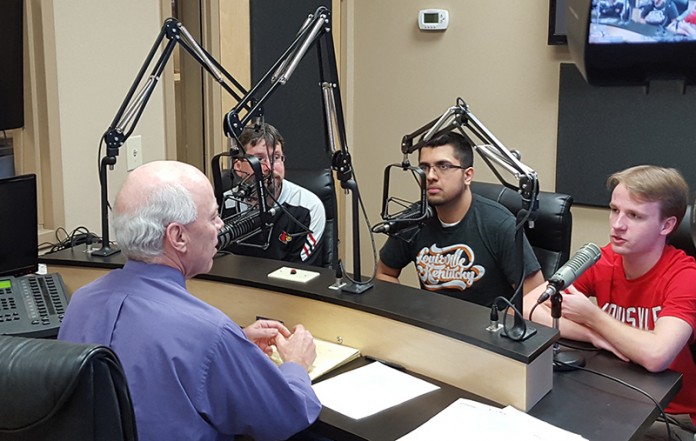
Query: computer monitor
{"points": [[615, 43], [18, 226]]}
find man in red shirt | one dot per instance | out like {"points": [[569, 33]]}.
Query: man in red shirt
{"points": [[645, 290]]}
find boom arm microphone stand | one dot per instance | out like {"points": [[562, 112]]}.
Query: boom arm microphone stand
{"points": [[316, 29], [132, 107]]}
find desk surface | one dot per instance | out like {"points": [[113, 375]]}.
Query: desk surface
{"points": [[581, 402]]}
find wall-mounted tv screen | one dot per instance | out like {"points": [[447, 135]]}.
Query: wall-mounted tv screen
{"points": [[622, 42], [653, 21]]}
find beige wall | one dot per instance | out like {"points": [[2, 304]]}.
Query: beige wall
{"points": [[91, 55], [494, 55]]}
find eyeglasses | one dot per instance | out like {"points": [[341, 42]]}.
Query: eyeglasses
{"points": [[266, 159], [440, 168]]}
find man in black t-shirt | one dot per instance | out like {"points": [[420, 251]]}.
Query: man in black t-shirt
{"points": [[468, 249]]}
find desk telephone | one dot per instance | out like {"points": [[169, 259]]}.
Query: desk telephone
{"points": [[33, 305]]}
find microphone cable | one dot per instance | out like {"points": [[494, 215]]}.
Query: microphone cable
{"points": [[371, 234], [518, 289], [663, 415]]}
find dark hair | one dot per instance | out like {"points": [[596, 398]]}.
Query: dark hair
{"points": [[462, 147], [264, 131], [650, 183]]}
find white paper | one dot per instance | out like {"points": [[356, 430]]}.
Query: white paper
{"points": [[466, 419], [369, 389]]}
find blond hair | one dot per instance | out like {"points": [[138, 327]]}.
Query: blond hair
{"points": [[650, 183]]}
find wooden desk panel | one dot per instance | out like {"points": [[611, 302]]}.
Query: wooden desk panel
{"points": [[451, 361]]}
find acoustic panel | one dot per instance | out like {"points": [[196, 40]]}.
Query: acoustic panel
{"points": [[602, 130], [295, 108]]}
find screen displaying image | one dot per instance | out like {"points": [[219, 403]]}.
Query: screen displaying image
{"points": [[642, 21]]}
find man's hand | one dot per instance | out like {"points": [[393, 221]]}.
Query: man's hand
{"points": [[263, 333], [577, 307], [298, 347]]}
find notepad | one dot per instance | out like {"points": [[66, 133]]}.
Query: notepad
{"points": [[330, 356]]}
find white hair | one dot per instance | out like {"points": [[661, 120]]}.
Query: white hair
{"points": [[140, 232]]}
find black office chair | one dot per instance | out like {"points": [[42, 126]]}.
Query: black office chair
{"points": [[59, 391], [321, 183], [551, 236], [683, 236], [318, 181]]}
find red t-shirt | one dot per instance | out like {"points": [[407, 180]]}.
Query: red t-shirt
{"points": [[667, 290], [691, 18]]}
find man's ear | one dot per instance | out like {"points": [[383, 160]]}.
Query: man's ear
{"points": [[669, 225], [469, 175], [176, 236]]}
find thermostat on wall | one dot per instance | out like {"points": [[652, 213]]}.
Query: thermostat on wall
{"points": [[433, 19]]}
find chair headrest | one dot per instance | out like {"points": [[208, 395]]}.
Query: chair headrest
{"points": [[553, 223], [43, 373], [682, 237], [320, 182]]}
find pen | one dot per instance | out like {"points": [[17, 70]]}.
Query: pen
{"points": [[392, 365]]}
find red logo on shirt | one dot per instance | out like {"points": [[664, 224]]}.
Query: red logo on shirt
{"points": [[285, 237]]}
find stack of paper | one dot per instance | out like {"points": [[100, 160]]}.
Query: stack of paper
{"points": [[473, 420], [369, 389]]}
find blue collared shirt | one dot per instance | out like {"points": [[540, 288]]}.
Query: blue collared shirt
{"points": [[192, 373]]}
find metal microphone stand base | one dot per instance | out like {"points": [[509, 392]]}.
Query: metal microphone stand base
{"points": [[356, 288], [338, 284], [562, 360], [105, 250], [567, 360], [519, 333]]}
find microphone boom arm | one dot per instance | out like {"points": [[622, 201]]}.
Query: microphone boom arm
{"points": [[492, 151], [131, 109], [133, 105], [315, 28]]}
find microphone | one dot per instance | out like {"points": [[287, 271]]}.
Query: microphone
{"points": [[240, 227], [242, 188], [410, 217], [585, 257]]}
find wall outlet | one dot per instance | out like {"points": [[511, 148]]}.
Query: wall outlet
{"points": [[134, 154]]}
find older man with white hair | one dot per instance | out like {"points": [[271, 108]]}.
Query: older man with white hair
{"points": [[193, 373]]}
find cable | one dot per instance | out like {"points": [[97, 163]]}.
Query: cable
{"points": [[630, 386], [531, 311], [370, 233], [675, 422], [509, 305], [78, 236], [518, 289]]}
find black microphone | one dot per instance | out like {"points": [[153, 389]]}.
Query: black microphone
{"points": [[243, 188], [586, 256], [408, 218], [240, 227]]}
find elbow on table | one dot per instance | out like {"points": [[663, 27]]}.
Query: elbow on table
{"points": [[655, 361]]}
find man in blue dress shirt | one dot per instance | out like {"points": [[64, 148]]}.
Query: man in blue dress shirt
{"points": [[193, 373]]}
